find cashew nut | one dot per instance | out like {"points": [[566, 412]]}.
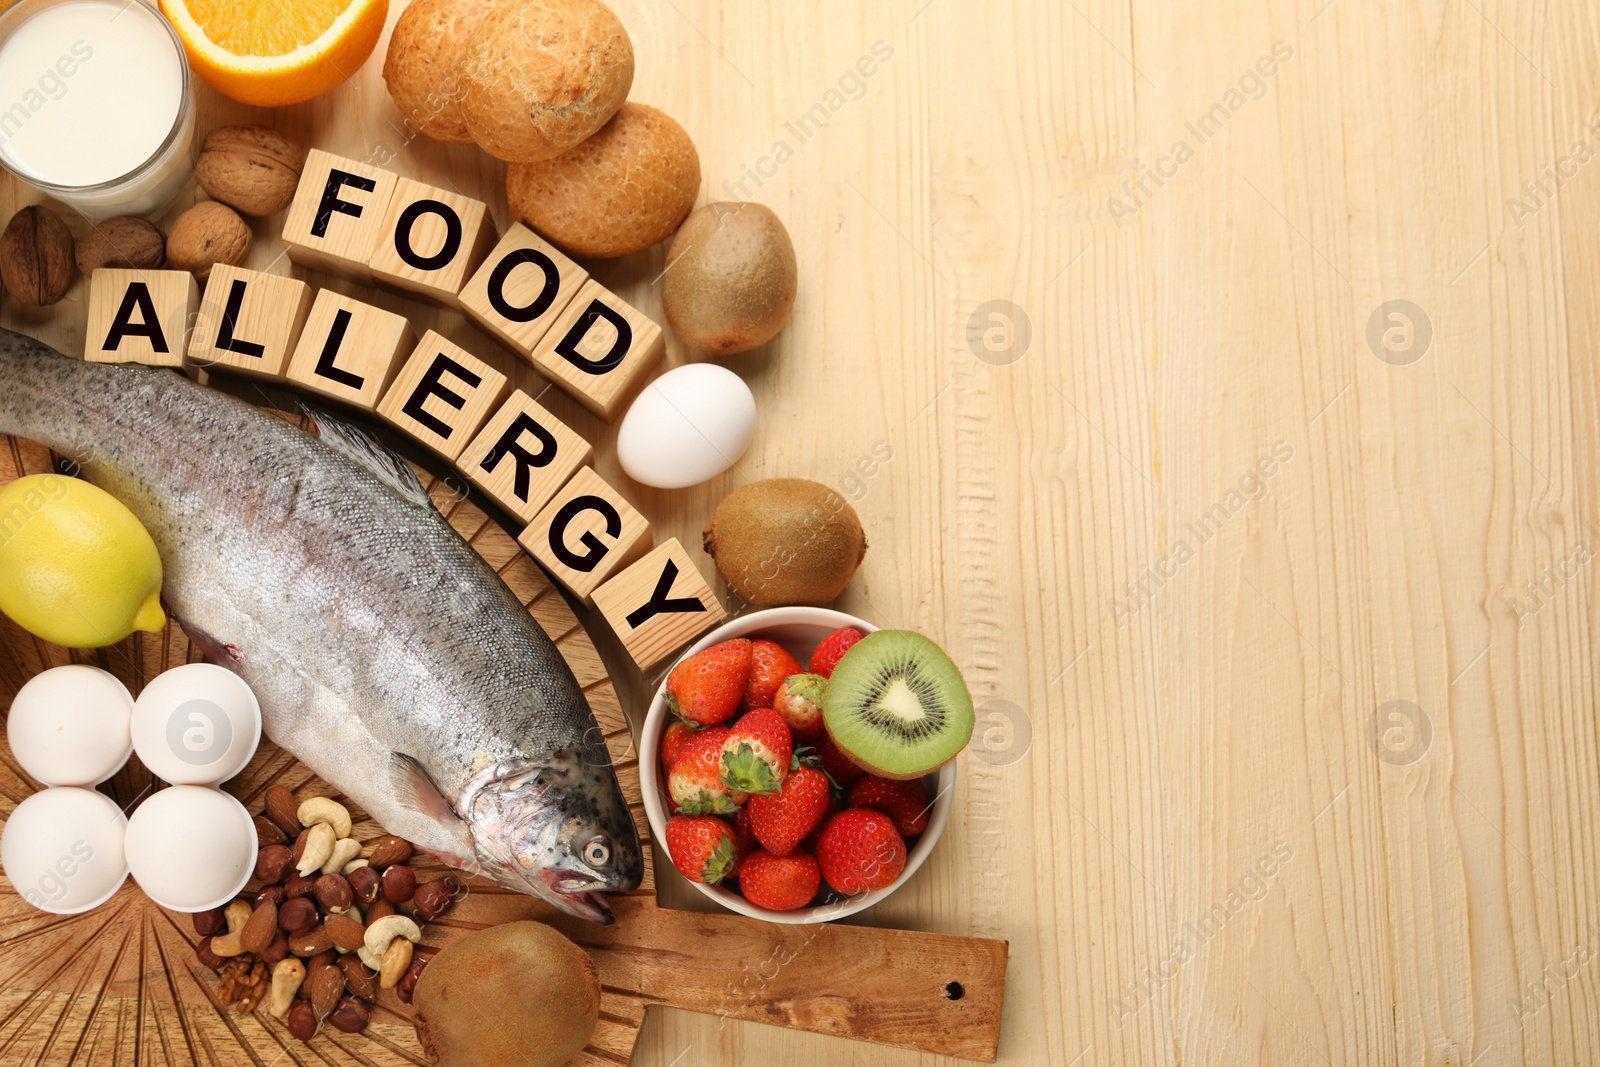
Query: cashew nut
{"points": [[325, 809], [319, 846], [396, 958], [385, 930], [373, 960], [344, 850], [228, 944], [352, 865], [287, 974]]}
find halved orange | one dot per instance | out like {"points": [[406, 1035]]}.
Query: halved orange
{"points": [[272, 52]]}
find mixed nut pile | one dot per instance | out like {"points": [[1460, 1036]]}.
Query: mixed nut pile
{"points": [[329, 926]]}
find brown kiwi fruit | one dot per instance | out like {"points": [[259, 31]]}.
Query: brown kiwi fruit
{"points": [[730, 280], [539, 989], [785, 541]]}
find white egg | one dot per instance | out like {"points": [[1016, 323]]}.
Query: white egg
{"points": [[62, 849], [70, 725], [191, 848], [198, 724], [690, 424]]}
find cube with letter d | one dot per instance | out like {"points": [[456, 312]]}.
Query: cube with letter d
{"points": [[599, 349]]}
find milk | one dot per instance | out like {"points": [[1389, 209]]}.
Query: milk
{"points": [[95, 107]]}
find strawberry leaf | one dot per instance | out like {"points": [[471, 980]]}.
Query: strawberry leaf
{"points": [[706, 803], [745, 772], [720, 863]]}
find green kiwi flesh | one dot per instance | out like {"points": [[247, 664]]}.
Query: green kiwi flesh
{"points": [[897, 706]]}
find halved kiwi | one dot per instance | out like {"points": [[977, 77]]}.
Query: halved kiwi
{"points": [[897, 706]]}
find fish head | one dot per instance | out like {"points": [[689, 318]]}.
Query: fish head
{"points": [[561, 831]]}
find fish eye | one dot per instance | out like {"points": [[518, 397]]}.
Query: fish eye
{"points": [[597, 853]]}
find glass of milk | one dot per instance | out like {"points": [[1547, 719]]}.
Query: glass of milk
{"points": [[96, 108]]}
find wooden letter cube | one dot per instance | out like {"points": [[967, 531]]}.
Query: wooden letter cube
{"points": [[249, 321], [442, 395], [337, 214], [585, 534], [598, 349], [431, 241], [524, 285], [140, 316], [350, 351], [522, 456], [658, 605]]}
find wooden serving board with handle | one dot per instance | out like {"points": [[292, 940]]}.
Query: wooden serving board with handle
{"points": [[121, 984]]}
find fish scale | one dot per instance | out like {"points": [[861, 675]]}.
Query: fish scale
{"points": [[386, 654]]}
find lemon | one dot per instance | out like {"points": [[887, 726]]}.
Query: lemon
{"points": [[77, 568]]}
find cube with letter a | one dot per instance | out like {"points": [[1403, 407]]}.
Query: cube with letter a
{"points": [[658, 605], [249, 322], [585, 534], [599, 349], [522, 287], [350, 351], [442, 395], [140, 316], [337, 213], [431, 241], [522, 456]]}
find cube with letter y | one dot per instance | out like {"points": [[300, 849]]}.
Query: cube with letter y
{"points": [[599, 348], [337, 214], [659, 604], [522, 456], [442, 395], [585, 534], [249, 321], [140, 316]]}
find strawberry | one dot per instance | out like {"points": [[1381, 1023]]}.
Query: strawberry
{"points": [[906, 803], [779, 883], [673, 738], [770, 664], [860, 849], [783, 818], [744, 838], [799, 701], [701, 847], [835, 806], [832, 648], [706, 688], [841, 768], [695, 781], [756, 753]]}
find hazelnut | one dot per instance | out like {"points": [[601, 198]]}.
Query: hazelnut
{"points": [[36, 257], [282, 808], [273, 863], [407, 985], [364, 884], [126, 242], [207, 234], [278, 950], [350, 1016], [210, 922], [273, 893], [399, 883], [258, 931], [333, 893], [267, 831], [299, 885], [252, 168], [302, 1020], [433, 899], [297, 916], [389, 849], [204, 954], [359, 980]]}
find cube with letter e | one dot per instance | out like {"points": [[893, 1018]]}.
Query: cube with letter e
{"points": [[522, 456], [659, 604], [337, 213], [442, 395], [140, 316], [249, 321], [585, 534], [599, 348]]}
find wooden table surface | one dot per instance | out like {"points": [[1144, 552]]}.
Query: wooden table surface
{"points": [[1219, 387]]}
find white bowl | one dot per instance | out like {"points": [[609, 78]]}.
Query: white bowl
{"points": [[798, 630]]}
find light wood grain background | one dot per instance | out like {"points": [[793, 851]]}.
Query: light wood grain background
{"points": [[1194, 808]]}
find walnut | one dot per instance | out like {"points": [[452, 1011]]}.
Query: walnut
{"points": [[207, 234], [122, 242], [36, 257], [252, 168]]}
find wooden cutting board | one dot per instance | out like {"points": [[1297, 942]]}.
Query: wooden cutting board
{"points": [[121, 983]]}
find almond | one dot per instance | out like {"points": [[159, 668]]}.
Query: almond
{"points": [[389, 849], [283, 808], [261, 928], [325, 986], [347, 934]]}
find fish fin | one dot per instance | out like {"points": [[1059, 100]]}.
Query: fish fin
{"points": [[219, 652], [368, 452], [414, 785]]}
